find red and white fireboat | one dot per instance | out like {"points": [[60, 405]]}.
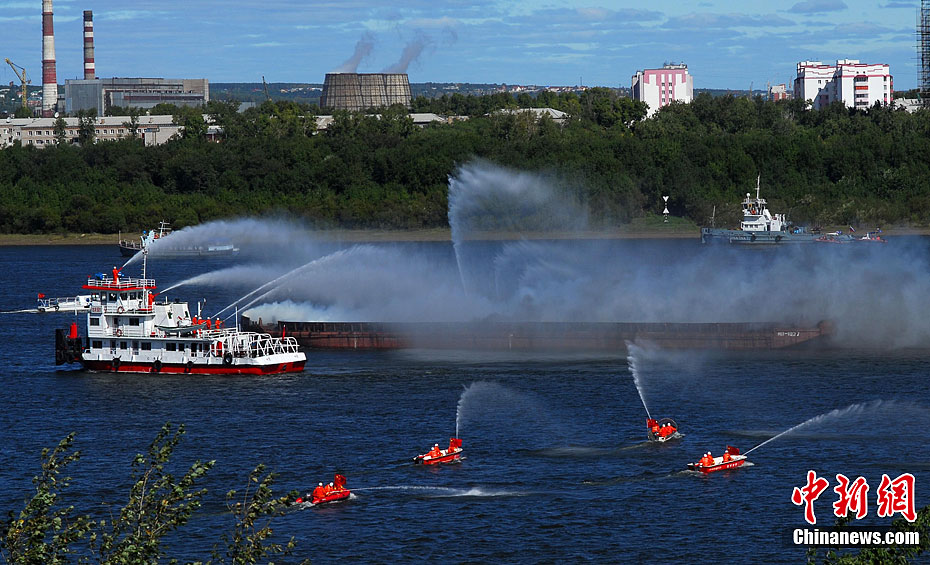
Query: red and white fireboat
{"points": [[437, 456], [730, 460], [129, 332]]}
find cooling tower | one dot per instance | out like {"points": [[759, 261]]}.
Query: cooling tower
{"points": [[354, 92], [49, 79], [89, 70]]}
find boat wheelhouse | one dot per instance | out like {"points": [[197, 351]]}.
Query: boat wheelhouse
{"points": [[129, 331], [758, 226]]}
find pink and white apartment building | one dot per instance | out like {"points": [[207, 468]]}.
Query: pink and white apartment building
{"points": [[661, 87], [855, 84]]}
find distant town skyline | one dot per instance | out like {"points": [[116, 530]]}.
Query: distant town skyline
{"points": [[726, 44]]}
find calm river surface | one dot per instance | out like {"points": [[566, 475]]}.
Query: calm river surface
{"points": [[557, 469]]}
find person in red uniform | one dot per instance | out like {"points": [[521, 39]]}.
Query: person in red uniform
{"points": [[318, 492], [655, 427], [452, 446], [435, 451], [726, 456]]}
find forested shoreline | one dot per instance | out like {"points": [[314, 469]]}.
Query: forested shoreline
{"points": [[833, 167]]}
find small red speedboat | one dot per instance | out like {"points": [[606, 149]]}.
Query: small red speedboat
{"points": [[733, 461], [438, 456], [662, 430], [323, 495]]}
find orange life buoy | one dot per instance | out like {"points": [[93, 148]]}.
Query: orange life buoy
{"points": [[120, 310], [119, 333]]}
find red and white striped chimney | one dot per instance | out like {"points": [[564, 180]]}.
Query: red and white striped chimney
{"points": [[88, 45], [49, 80]]}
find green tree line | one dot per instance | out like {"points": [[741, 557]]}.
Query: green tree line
{"points": [[834, 166]]}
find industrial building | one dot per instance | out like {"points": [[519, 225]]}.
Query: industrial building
{"points": [[857, 85], [356, 92], [661, 87], [143, 93]]}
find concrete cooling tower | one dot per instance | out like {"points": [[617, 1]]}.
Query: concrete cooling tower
{"points": [[354, 92]]}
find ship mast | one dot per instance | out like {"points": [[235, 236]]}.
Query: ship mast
{"points": [[757, 185]]}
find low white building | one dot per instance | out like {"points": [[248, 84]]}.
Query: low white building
{"points": [[40, 132], [857, 85], [661, 87]]}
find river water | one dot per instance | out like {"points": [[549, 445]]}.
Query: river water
{"points": [[557, 468]]}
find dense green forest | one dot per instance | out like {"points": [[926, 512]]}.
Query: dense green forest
{"points": [[832, 167]]}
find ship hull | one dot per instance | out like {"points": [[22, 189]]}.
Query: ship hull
{"points": [[107, 366], [740, 237], [542, 336]]}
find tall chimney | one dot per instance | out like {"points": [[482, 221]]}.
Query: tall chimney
{"points": [[49, 80], [88, 45]]}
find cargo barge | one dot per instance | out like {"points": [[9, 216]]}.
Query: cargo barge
{"points": [[541, 336]]}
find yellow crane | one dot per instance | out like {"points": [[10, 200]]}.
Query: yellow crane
{"points": [[21, 76]]}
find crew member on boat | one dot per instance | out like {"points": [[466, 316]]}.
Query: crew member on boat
{"points": [[435, 451], [319, 492], [707, 460], [655, 427], [453, 445], [726, 456]]}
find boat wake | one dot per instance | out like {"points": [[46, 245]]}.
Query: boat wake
{"points": [[446, 492], [23, 311]]}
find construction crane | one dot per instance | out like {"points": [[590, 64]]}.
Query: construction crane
{"points": [[21, 76]]}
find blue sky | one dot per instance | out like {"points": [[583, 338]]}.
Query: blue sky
{"points": [[726, 43]]}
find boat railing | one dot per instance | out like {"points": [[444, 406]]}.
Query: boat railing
{"points": [[120, 283], [124, 331], [250, 344]]}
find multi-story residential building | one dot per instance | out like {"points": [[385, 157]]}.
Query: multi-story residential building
{"points": [[778, 92], [661, 87], [857, 85]]}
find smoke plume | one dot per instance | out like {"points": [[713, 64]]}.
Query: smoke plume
{"points": [[363, 49], [411, 52]]}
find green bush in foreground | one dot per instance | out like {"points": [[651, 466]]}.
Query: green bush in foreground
{"points": [[47, 532]]}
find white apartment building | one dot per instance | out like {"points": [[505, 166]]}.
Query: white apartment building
{"points": [[661, 87], [857, 85]]}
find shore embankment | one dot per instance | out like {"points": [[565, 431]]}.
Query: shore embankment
{"points": [[434, 234]]}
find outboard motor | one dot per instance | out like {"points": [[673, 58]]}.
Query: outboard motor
{"points": [[68, 347]]}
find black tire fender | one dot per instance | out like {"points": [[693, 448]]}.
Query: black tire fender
{"points": [[227, 358], [156, 366], [115, 363], [190, 367]]}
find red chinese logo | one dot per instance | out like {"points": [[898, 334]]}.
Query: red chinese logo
{"points": [[807, 494], [852, 497], [897, 496]]}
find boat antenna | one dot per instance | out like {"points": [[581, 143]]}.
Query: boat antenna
{"points": [[145, 253], [757, 185]]}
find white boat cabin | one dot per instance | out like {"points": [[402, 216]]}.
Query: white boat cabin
{"points": [[756, 215]]}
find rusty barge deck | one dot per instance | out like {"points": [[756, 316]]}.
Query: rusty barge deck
{"points": [[541, 336]]}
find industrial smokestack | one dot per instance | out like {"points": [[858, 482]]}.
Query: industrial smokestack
{"points": [[88, 45], [49, 78]]}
